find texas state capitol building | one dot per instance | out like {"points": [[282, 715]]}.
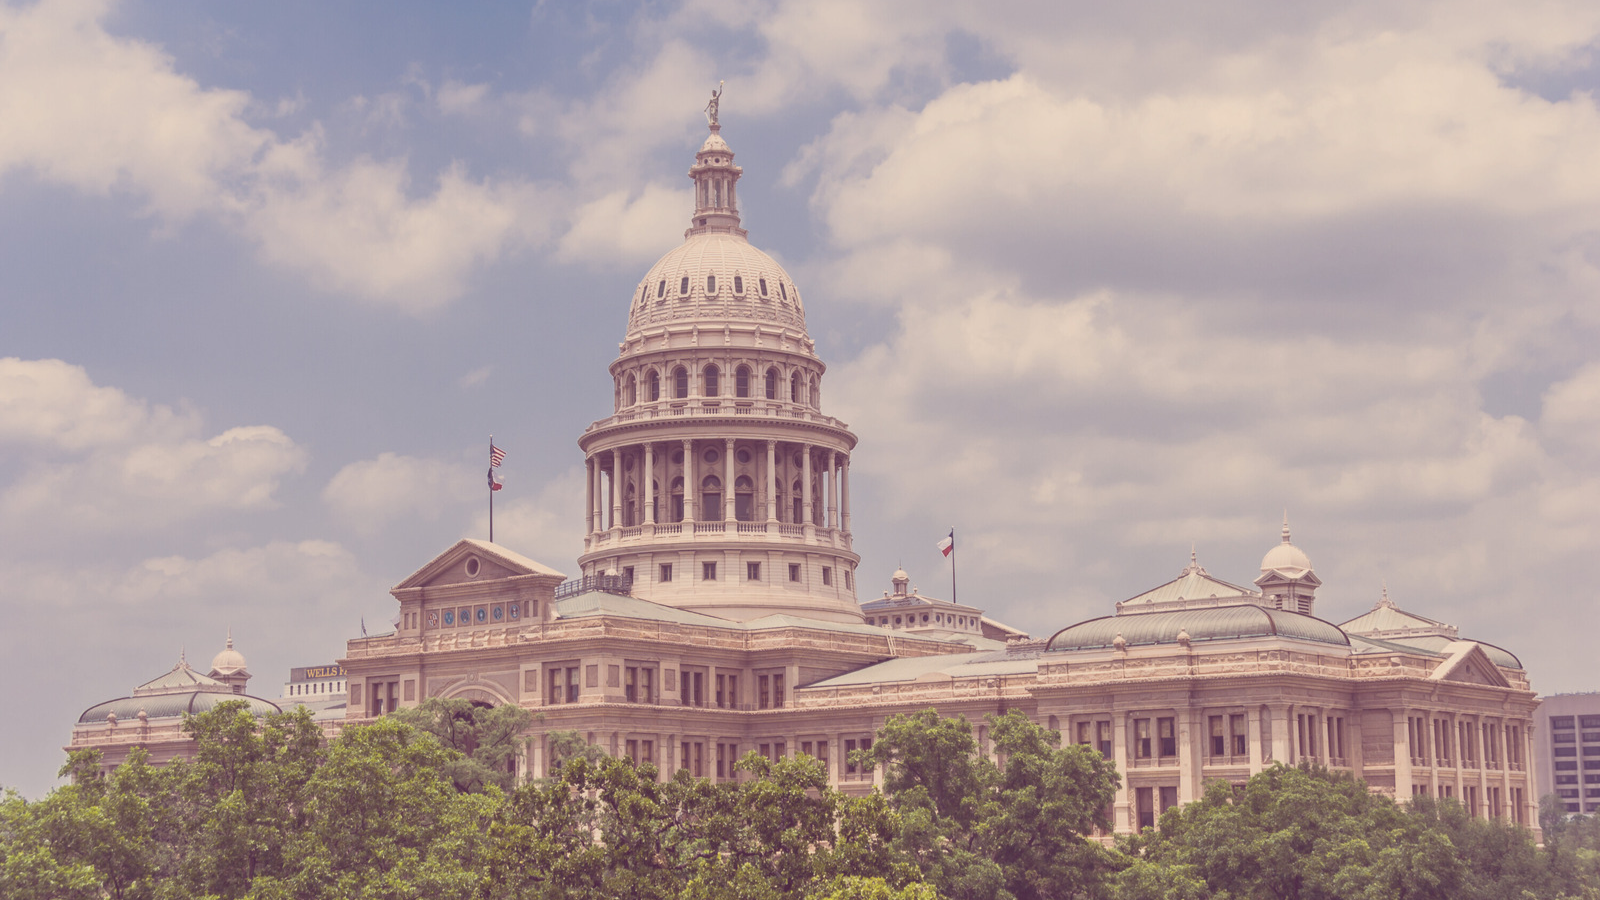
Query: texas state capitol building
{"points": [[716, 608]]}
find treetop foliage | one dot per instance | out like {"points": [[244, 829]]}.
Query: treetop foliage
{"points": [[425, 805]]}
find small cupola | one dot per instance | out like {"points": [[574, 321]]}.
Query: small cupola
{"points": [[716, 179], [901, 582], [1287, 580]]}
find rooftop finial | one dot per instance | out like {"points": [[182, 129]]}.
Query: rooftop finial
{"points": [[230, 637], [1384, 599], [711, 108], [1286, 526]]}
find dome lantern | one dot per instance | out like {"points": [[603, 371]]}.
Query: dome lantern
{"points": [[1287, 580]]}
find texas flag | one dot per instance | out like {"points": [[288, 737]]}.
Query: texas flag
{"points": [[494, 485], [947, 546]]}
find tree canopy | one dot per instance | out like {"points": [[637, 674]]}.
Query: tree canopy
{"points": [[420, 806]]}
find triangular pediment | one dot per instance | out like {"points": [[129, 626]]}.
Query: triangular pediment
{"points": [[1466, 663], [472, 561]]}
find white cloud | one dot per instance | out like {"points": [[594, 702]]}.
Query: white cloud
{"points": [[101, 114], [617, 228], [393, 489], [543, 523], [92, 458]]}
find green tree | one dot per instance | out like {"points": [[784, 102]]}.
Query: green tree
{"points": [[982, 830], [488, 739]]}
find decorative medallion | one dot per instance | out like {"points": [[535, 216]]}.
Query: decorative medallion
{"points": [[449, 617]]}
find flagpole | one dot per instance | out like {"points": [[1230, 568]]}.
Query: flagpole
{"points": [[491, 490], [952, 565]]}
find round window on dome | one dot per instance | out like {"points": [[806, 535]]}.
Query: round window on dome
{"points": [[711, 455], [677, 457], [743, 456]]}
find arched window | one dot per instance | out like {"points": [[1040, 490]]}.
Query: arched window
{"points": [[762, 284], [655, 386], [683, 286], [738, 284], [711, 284], [677, 499], [816, 394], [712, 388], [680, 383], [772, 384], [741, 382], [794, 388], [632, 395], [711, 499], [744, 499], [799, 504]]}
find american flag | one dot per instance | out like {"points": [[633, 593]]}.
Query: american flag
{"points": [[496, 455]]}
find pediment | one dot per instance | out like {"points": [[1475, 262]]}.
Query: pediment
{"points": [[472, 561], [1466, 663]]}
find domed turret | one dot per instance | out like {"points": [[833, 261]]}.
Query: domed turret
{"points": [[1287, 580], [718, 484], [229, 667]]}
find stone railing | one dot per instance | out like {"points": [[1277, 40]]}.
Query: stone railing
{"points": [[723, 408], [750, 531]]}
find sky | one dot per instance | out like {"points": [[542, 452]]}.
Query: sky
{"points": [[1096, 284]]}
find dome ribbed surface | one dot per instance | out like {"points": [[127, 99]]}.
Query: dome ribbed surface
{"points": [[739, 268], [166, 706], [1213, 624]]}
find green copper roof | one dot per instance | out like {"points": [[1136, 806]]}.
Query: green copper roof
{"points": [[1217, 623], [166, 706], [1193, 584]]}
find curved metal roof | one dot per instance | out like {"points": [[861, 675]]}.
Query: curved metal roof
{"points": [[166, 706], [1207, 624]]}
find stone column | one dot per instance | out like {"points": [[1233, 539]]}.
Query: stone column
{"points": [[772, 481], [844, 483], [588, 493], [1189, 783], [1505, 768], [1122, 805], [616, 487], [1402, 754], [1252, 739], [649, 483], [1282, 726], [727, 488], [596, 517], [833, 489], [805, 485], [689, 485]]}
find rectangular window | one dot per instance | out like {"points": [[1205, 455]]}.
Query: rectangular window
{"points": [[763, 685], [1236, 730], [827, 575], [1169, 798], [666, 571], [1567, 765], [752, 571], [1590, 722], [1570, 779], [1144, 802], [849, 751], [1566, 751], [1219, 741], [1169, 736], [1102, 732], [1083, 734], [1563, 722], [822, 751], [1564, 738], [847, 579], [1141, 740], [638, 684], [777, 692], [794, 571], [708, 571]]}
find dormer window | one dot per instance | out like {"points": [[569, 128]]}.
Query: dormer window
{"points": [[738, 284], [784, 291], [683, 286], [711, 284], [761, 283], [661, 289]]}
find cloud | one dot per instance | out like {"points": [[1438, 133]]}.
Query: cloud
{"points": [[543, 523], [105, 114], [92, 458], [392, 489], [617, 228], [476, 378]]}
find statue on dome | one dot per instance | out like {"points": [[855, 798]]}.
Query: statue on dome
{"points": [[716, 100]]}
